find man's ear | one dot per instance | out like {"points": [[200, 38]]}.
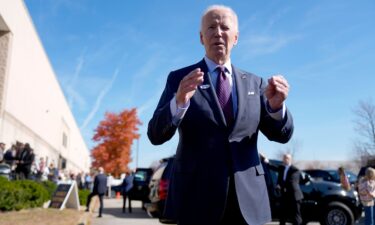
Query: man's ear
{"points": [[201, 37], [236, 38]]}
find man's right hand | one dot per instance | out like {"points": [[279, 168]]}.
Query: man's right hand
{"points": [[188, 86]]}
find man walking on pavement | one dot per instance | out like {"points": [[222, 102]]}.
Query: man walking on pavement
{"points": [[100, 187]]}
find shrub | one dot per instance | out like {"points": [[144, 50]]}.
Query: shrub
{"points": [[83, 193], [34, 193], [50, 187], [16, 195]]}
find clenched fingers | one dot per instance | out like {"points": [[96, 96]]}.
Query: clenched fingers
{"points": [[188, 85], [279, 83], [191, 81]]}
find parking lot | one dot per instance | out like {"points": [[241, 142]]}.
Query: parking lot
{"points": [[113, 215]]}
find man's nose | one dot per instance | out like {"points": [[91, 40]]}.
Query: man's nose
{"points": [[218, 32]]}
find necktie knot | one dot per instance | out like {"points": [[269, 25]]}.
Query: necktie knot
{"points": [[221, 71]]}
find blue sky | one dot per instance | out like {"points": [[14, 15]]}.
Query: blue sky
{"points": [[115, 55]]}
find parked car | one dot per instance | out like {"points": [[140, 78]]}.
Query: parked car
{"points": [[5, 170], [141, 181], [141, 190], [159, 190], [325, 202], [331, 175]]}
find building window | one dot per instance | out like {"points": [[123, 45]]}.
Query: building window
{"points": [[65, 140]]}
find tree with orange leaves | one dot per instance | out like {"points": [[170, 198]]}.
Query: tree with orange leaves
{"points": [[115, 135]]}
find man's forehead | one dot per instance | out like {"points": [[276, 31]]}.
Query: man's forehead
{"points": [[219, 14]]}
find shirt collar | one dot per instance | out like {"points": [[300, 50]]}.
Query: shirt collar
{"points": [[211, 65]]}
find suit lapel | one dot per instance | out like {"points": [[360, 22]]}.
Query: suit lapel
{"points": [[207, 90], [248, 104], [241, 86]]}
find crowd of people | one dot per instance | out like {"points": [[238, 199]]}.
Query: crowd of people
{"points": [[24, 164]]}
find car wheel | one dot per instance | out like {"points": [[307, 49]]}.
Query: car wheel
{"points": [[337, 213]]}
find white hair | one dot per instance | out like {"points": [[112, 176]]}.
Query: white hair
{"points": [[221, 7]]}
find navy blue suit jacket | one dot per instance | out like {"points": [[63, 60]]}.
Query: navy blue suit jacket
{"points": [[209, 152], [291, 184], [100, 184]]}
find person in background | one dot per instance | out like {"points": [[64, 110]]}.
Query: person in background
{"points": [[26, 159], [109, 185], [366, 190], [45, 173], [88, 181], [40, 168], [344, 181], [2, 151], [291, 194], [10, 158], [53, 173], [79, 180], [99, 189], [218, 111], [127, 186]]}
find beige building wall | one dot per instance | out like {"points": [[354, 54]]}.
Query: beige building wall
{"points": [[33, 107]]}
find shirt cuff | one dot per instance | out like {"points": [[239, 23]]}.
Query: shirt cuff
{"points": [[178, 112], [277, 115]]}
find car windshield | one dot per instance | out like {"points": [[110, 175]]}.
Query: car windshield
{"points": [[140, 176]]}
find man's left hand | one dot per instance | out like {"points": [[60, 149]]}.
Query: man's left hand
{"points": [[277, 91]]}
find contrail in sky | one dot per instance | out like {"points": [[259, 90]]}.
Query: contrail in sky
{"points": [[99, 99]]}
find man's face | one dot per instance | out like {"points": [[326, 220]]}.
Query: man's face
{"points": [[218, 35], [287, 160], [2, 146]]}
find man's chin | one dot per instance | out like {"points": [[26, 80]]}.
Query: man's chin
{"points": [[219, 52]]}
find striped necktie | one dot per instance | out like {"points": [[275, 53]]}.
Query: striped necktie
{"points": [[224, 95]]}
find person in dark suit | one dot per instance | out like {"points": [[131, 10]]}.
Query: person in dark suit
{"points": [[218, 111], [99, 189], [127, 187], [291, 194]]}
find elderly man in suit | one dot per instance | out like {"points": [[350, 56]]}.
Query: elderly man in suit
{"points": [[99, 189], [218, 111], [291, 194]]}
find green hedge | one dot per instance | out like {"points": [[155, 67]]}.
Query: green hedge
{"points": [[83, 196], [16, 195], [23, 194], [50, 187]]}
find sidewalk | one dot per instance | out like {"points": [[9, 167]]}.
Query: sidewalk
{"points": [[112, 214]]}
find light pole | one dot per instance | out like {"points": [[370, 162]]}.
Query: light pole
{"points": [[136, 159]]}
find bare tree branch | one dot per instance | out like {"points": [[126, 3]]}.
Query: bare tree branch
{"points": [[364, 124]]}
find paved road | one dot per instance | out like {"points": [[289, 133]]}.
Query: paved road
{"points": [[112, 214]]}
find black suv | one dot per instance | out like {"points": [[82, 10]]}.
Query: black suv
{"points": [[140, 190], [141, 180], [159, 190], [325, 202]]}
